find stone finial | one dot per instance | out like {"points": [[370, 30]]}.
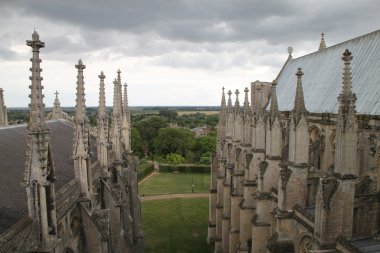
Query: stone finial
{"points": [[229, 106], [322, 44], [274, 112], [37, 118], [299, 102], [120, 94], [126, 113], [237, 104], [290, 51], [80, 108], [3, 110], [102, 98], [115, 108], [57, 112], [246, 102], [223, 103], [347, 76]]}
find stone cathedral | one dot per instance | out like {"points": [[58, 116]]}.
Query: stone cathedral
{"points": [[298, 170], [62, 188]]}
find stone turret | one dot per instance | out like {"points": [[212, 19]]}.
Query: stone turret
{"points": [[57, 112], [293, 174], [230, 117], [126, 126], [274, 142], [247, 119], [3, 110], [82, 162], [222, 118], [322, 44], [336, 193], [238, 122], [102, 123], [39, 174]]}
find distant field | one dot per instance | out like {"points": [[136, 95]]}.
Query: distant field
{"points": [[194, 112], [170, 183], [175, 226]]}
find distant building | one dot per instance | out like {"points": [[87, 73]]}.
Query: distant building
{"points": [[71, 192], [301, 173]]}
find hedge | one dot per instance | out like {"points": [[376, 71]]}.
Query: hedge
{"points": [[184, 168], [144, 170]]}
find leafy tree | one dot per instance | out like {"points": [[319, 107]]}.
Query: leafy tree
{"points": [[173, 140], [136, 141], [170, 114], [148, 129], [173, 158]]}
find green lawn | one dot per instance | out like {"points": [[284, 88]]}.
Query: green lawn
{"points": [[175, 226], [171, 183]]}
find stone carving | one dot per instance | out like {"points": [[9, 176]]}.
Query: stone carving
{"points": [[263, 167], [285, 174], [328, 186], [373, 144], [101, 219]]}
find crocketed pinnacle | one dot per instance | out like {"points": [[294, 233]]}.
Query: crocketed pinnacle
{"points": [[102, 98], [126, 113], [246, 107], [347, 98], [229, 106], [223, 107], [299, 102], [273, 111], [120, 94], [237, 104], [115, 107], [80, 108], [322, 44], [37, 119], [347, 78]]}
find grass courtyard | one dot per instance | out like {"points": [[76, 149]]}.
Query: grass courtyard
{"points": [[171, 183], [175, 226]]}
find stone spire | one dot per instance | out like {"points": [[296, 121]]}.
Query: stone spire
{"points": [[273, 111], [237, 104], [222, 117], [126, 128], [37, 119], [246, 107], [346, 130], [81, 148], [57, 111], [80, 108], [299, 102], [120, 93], [102, 128], [102, 98], [229, 106], [322, 44], [116, 124], [3, 110], [223, 107], [39, 174]]}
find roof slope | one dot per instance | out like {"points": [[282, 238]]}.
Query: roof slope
{"points": [[322, 80], [12, 156]]}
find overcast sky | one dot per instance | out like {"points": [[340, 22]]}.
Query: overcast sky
{"points": [[170, 52]]}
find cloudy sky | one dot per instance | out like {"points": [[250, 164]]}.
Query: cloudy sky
{"points": [[170, 52]]}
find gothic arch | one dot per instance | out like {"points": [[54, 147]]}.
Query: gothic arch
{"points": [[304, 243], [314, 133]]}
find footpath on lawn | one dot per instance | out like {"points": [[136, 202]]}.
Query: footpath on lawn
{"points": [[175, 219]]}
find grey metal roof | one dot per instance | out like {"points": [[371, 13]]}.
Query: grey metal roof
{"points": [[12, 157], [322, 80]]}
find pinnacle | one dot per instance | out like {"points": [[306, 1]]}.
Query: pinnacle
{"points": [[322, 44]]}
